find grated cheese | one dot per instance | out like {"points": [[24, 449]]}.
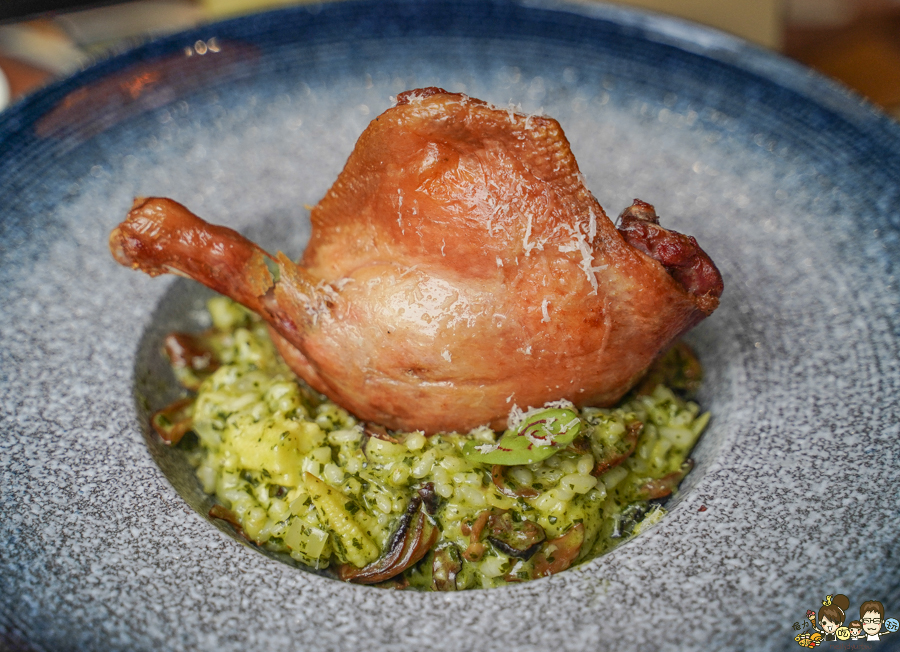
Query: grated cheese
{"points": [[580, 244], [561, 404]]}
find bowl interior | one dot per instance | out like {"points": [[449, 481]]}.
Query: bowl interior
{"points": [[260, 141], [789, 182]]}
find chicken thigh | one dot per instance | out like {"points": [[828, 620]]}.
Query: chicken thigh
{"points": [[457, 267]]}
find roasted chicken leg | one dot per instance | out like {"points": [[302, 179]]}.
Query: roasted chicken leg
{"points": [[457, 267]]}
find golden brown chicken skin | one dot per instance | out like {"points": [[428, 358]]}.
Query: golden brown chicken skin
{"points": [[457, 267]]}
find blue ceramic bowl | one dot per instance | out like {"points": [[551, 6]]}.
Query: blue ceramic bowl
{"points": [[789, 181]]}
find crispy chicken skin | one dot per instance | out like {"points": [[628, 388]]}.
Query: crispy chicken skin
{"points": [[457, 267]]}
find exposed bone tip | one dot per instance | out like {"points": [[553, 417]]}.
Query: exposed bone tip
{"points": [[707, 303], [640, 210], [117, 247]]}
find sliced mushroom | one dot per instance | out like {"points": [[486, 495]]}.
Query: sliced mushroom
{"points": [[474, 552], [516, 539], [397, 583], [608, 458], [225, 514], [429, 497], [445, 567], [558, 554], [475, 528], [415, 536], [662, 487], [191, 357], [476, 549], [174, 421]]}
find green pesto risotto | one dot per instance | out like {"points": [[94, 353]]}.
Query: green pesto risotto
{"points": [[295, 473]]}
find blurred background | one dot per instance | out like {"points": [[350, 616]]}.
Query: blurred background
{"points": [[854, 41]]}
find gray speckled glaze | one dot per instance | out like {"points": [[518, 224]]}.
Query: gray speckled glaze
{"points": [[787, 180]]}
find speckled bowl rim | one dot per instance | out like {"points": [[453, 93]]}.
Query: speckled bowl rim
{"points": [[681, 35]]}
